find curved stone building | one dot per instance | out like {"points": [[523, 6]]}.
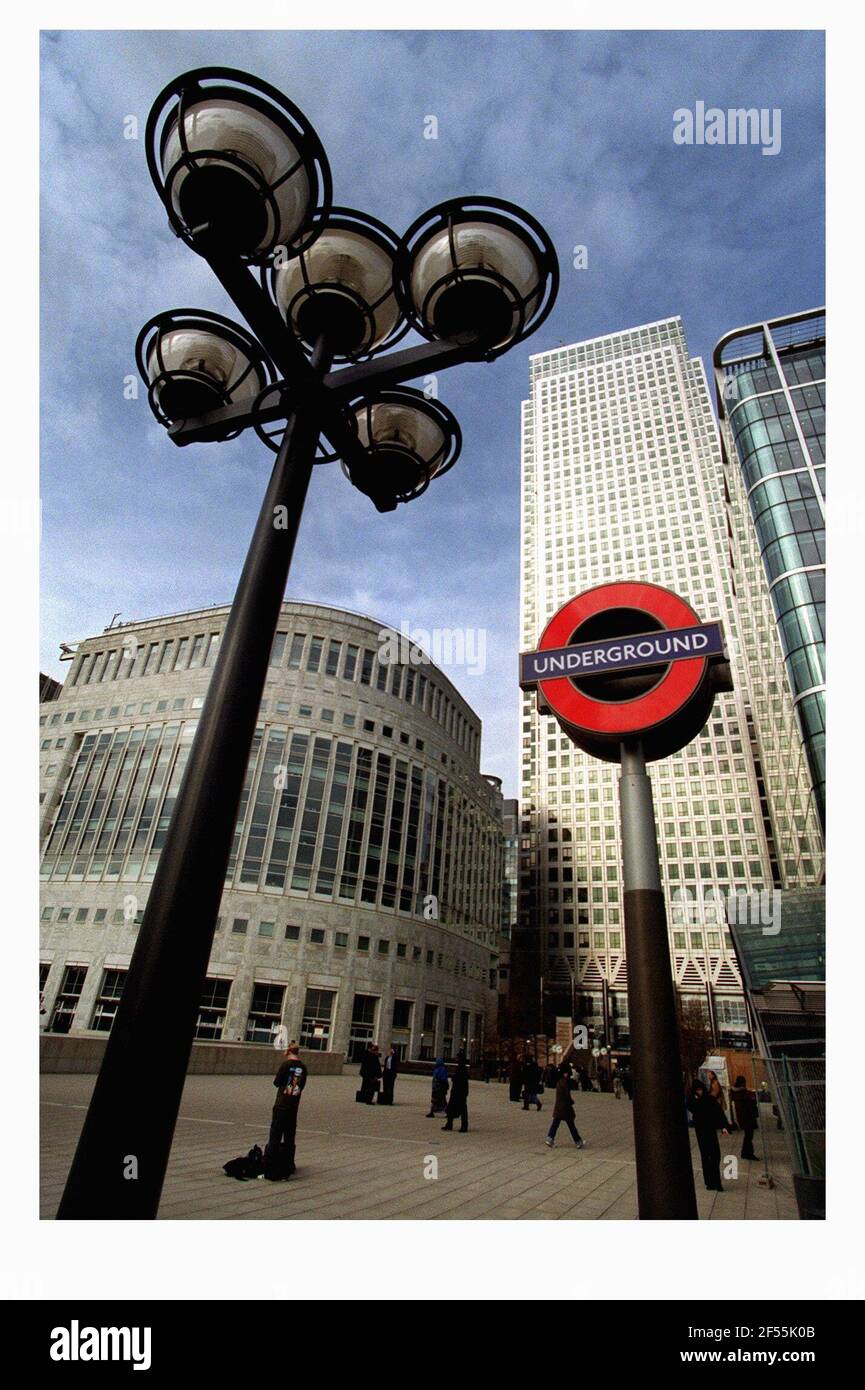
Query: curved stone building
{"points": [[363, 894]]}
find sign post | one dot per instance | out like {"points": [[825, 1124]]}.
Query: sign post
{"points": [[631, 674]]}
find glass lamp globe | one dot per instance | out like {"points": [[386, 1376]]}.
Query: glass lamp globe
{"points": [[342, 286], [478, 271], [407, 441], [235, 155], [195, 362], [233, 158]]}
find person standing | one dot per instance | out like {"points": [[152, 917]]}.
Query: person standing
{"points": [[744, 1103], [515, 1079], [439, 1096], [389, 1071], [370, 1074], [563, 1111], [617, 1084], [716, 1091], [708, 1120], [458, 1100], [289, 1082], [531, 1081]]}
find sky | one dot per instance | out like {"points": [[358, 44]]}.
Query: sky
{"points": [[576, 127]]}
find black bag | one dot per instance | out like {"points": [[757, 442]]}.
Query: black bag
{"points": [[244, 1168], [360, 1097]]}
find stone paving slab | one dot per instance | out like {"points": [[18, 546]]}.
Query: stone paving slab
{"points": [[369, 1163]]}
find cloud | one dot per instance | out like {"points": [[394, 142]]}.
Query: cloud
{"points": [[575, 127]]}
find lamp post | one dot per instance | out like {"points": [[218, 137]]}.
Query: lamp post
{"points": [[245, 183]]}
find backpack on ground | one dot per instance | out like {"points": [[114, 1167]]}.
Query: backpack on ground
{"points": [[244, 1168]]}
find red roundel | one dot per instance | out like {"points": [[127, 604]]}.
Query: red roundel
{"points": [[625, 717]]}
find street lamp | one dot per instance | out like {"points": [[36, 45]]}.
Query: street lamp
{"points": [[477, 267], [231, 157], [193, 361], [245, 182], [408, 439]]}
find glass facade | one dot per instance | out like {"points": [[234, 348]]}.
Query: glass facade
{"points": [[771, 385]]}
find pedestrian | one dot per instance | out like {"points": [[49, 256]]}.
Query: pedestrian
{"points": [[388, 1076], [458, 1100], [289, 1082], [716, 1091], [708, 1120], [531, 1082], [628, 1082], [551, 1075], [370, 1074], [515, 1078], [563, 1111], [617, 1084], [439, 1096], [744, 1103]]}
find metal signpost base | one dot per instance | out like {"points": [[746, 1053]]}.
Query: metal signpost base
{"points": [[665, 1176]]}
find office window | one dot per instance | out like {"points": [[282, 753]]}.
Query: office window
{"points": [[213, 1008], [109, 998], [67, 999], [239, 926], [265, 1013], [315, 1027]]}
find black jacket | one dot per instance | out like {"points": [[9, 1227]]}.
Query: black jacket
{"points": [[744, 1107], [370, 1067], [707, 1114], [459, 1086], [289, 1081], [564, 1107], [390, 1067], [531, 1077]]}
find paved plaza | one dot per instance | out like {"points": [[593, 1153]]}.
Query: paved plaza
{"points": [[360, 1163]]}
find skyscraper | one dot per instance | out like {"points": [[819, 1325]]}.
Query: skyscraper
{"points": [[622, 479], [770, 380]]}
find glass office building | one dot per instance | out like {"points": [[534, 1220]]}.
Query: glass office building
{"points": [[622, 479], [770, 382], [363, 894]]}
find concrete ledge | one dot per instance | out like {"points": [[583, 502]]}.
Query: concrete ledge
{"points": [[83, 1052]]}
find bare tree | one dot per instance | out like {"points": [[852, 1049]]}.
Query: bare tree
{"points": [[695, 1036]]}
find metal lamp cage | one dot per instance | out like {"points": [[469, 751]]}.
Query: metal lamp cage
{"points": [[345, 219], [531, 308], [361, 409], [150, 345], [173, 105]]}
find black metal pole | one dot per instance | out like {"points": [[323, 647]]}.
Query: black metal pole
{"points": [[119, 1165], [665, 1175]]}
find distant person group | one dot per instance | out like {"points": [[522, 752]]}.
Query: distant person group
{"points": [[527, 1081]]}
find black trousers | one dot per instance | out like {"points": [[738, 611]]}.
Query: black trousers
{"points": [[283, 1129], [460, 1112], [710, 1156], [748, 1141]]}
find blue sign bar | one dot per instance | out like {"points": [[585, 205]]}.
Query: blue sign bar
{"points": [[613, 654]]}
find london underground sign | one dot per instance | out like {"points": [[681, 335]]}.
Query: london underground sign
{"points": [[628, 660], [630, 673]]}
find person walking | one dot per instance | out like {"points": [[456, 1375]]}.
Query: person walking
{"points": [[563, 1110], [708, 1119], [280, 1151], [439, 1096], [458, 1100], [628, 1082], [617, 1084], [370, 1074], [388, 1076], [531, 1082], [744, 1102]]}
